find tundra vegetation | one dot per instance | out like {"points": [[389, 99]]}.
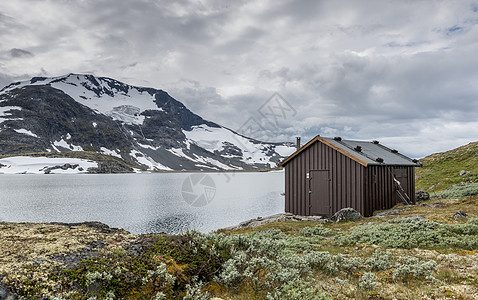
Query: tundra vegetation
{"points": [[424, 252]]}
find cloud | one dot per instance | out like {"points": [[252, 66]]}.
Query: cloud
{"points": [[360, 69], [16, 53], [5, 80]]}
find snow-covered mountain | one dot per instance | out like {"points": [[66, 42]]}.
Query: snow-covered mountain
{"points": [[145, 126]]}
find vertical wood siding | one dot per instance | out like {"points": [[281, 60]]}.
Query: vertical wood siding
{"points": [[346, 180], [365, 189], [380, 188]]}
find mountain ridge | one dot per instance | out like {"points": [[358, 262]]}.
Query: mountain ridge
{"points": [[145, 126]]}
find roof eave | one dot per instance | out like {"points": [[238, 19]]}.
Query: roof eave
{"points": [[331, 145]]}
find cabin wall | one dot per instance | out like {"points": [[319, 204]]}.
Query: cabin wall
{"points": [[380, 188], [347, 180]]}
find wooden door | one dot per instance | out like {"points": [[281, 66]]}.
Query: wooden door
{"points": [[319, 192]]}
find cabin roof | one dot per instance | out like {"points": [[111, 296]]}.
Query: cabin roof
{"points": [[364, 152]]}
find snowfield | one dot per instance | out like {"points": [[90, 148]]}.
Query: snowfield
{"points": [[38, 165]]}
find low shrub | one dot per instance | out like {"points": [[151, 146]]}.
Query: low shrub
{"points": [[460, 191], [298, 290], [411, 268], [367, 281], [410, 233], [315, 231], [119, 275], [380, 260]]}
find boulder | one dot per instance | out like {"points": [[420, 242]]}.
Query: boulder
{"points": [[422, 195], [460, 214], [346, 214]]}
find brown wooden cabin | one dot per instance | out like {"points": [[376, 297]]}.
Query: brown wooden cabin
{"points": [[328, 174]]}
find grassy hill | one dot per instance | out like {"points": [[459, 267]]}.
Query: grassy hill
{"points": [[443, 170]]}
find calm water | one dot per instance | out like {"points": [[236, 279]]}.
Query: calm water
{"points": [[143, 203]]}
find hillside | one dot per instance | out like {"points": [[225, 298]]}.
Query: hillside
{"points": [[443, 170], [142, 126]]}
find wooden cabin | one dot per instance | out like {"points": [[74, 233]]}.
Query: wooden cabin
{"points": [[328, 174]]}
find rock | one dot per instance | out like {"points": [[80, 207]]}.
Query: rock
{"points": [[346, 214], [390, 212], [66, 166], [111, 166], [422, 195], [463, 172], [275, 218], [460, 214], [100, 227], [5, 294], [430, 205]]}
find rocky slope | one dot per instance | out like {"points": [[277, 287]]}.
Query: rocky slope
{"points": [[142, 126]]}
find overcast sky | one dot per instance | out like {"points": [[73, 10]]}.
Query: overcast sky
{"points": [[402, 72]]}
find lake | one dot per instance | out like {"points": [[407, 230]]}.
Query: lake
{"points": [[143, 203]]}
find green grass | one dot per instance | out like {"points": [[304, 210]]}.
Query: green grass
{"points": [[442, 170]]}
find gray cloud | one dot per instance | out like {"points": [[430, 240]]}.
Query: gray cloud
{"points": [[5, 80], [15, 53], [400, 72]]}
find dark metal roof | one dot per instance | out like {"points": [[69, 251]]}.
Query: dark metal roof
{"points": [[363, 152]]}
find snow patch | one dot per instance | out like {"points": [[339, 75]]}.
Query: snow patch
{"points": [[116, 105], [284, 151], [27, 132], [148, 146], [64, 144], [37, 165], [127, 114], [109, 152], [61, 143], [213, 139], [148, 161], [5, 112]]}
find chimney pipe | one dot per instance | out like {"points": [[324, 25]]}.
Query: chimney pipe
{"points": [[298, 142]]}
